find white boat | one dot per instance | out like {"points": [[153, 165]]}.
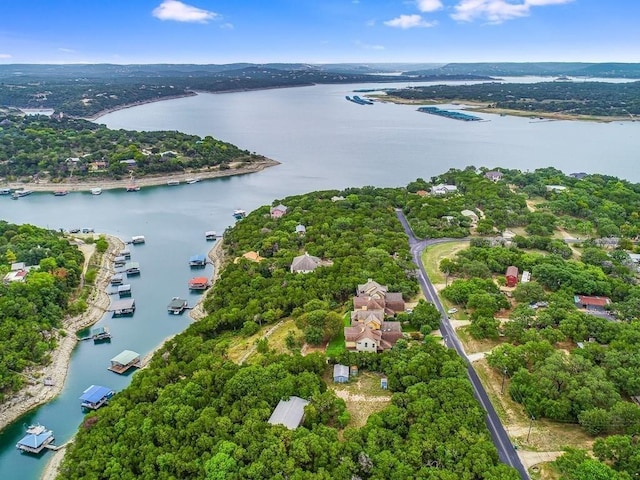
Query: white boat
{"points": [[96, 191], [239, 213], [193, 180], [22, 193], [173, 183]]}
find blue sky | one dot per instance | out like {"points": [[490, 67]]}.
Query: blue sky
{"points": [[322, 31]]}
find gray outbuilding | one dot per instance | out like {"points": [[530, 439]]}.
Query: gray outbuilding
{"points": [[289, 412]]}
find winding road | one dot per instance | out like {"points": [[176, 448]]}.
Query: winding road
{"points": [[506, 451]]}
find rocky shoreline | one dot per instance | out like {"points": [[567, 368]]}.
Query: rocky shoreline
{"points": [[237, 168]]}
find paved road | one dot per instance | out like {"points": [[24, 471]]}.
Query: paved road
{"points": [[498, 434]]}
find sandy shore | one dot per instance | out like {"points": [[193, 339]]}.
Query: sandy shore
{"points": [[237, 168], [216, 256], [36, 393]]}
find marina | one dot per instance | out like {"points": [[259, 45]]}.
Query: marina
{"points": [[95, 397], [124, 361]]}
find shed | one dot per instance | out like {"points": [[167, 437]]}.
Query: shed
{"points": [[301, 229], [340, 373], [591, 303], [511, 277], [526, 277], [384, 384], [353, 371], [289, 412]]}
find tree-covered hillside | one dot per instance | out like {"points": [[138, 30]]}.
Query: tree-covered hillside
{"points": [[61, 148], [31, 310]]}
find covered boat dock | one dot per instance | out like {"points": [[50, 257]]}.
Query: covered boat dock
{"points": [[124, 361], [199, 283], [197, 261], [125, 306], [96, 396], [36, 439], [177, 305]]}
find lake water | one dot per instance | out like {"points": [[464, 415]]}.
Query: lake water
{"points": [[323, 142]]}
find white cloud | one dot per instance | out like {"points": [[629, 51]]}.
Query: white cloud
{"points": [[429, 5], [409, 21], [4, 56], [498, 11], [181, 12], [368, 46], [66, 50]]}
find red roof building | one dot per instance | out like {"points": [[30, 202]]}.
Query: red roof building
{"points": [[511, 276]]}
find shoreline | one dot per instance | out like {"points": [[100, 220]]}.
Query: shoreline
{"points": [[216, 255], [37, 393], [106, 111], [236, 168], [485, 108]]}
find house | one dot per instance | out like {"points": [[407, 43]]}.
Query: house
{"points": [[304, 263], [289, 413], [301, 229], [556, 188], [278, 211], [18, 266], [337, 198], [471, 215], [15, 276], [98, 166], [340, 373], [578, 175], [371, 289], [596, 304], [443, 189], [251, 256], [370, 318], [511, 276], [494, 175], [130, 163], [526, 277], [363, 338], [372, 296]]}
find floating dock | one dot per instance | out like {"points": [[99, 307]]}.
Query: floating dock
{"points": [[124, 290], [124, 361], [177, 305], [132, 268], [36, 439], [116, 279], [199, 283], [122, 307], [137, 239], [95, 397], [119, 261], [210, 235], [197, 261], [126, 253], [465, 117], [100, 334], [359, 100]]}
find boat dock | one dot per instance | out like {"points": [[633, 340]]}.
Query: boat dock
{"points": [[124, 361], [137, 240], [95, 397], [124, 290], [210, 235], [199, 283], [122, 307], [465, 117], [359, 100], [197, 261], [177, 305], [99, 335], [132, 268], [116, 279], [126, 253], [36, 439], [119, 261]]}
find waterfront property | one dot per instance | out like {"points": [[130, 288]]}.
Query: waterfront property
{"points": [[96, 396], [36, 439], [122, 307], [132, 268], [177, 305], [124, 361], [199, 283], [124, 290], [197, 261], [289, 413]]}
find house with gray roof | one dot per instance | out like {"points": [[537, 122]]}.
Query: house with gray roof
{"points": [[304, 263], [289, 413]]}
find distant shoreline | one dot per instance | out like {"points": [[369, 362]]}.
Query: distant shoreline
{"points": [[237, 168]]}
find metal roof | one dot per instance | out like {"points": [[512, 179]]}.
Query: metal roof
{"points": [[340, 371], [176, 303], [95, 393], [122, 304], [125, 357], [289, 412], [35, 440], [197, 258]]}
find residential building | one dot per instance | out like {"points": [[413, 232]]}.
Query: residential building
{"points": [[278, 211], [494, 175], [305, 263], [511, 276], [587, 302]]}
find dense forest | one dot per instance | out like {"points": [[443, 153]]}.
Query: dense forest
{"points": [[60, 148], [572, 98], [195, 414], [32, 310]]}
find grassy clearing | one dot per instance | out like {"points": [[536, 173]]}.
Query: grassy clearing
{"points": [[362, 395], [545, 436], [475, 345], [337, 345], [432, 256], [240, 346]]}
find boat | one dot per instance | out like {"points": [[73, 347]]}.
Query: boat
{"points": [[137, 239], [177, 305], [133, 188], [21, 193], [210, 235], [36, 439], [173, 183], [239, 213], [60, 193], [96, 191], [5, 191], [193, 180], [449, 114]]}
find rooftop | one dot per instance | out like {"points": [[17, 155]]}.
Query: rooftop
{"points": [[289, 412]]}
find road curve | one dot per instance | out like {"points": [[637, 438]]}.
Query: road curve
{"points": [[506, 451]]}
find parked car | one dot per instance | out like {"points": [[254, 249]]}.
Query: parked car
{"points": [[452, 310]]}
